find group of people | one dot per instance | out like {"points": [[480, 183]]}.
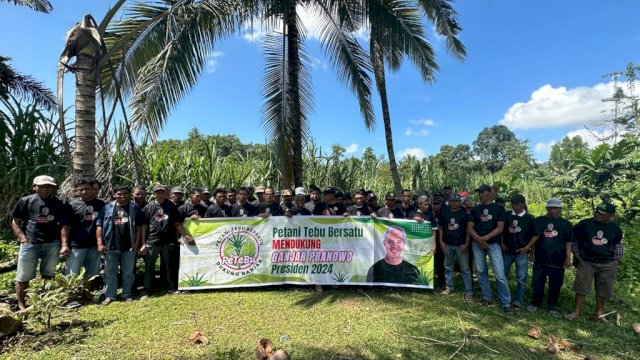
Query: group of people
{"points": [[131, 224]]}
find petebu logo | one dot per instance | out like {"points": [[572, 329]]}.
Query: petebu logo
{"points": [[239, 250]]}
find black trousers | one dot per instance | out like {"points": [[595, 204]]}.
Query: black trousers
{"points": [[439, 267], [170, 258], [538, 281]]}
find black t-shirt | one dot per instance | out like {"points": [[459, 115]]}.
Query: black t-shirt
{"points": [[299, 211], [554, 234], [322, 208], [406, 212], [161, 221], [42, 219], [403, 273], [188, 209], [215, 211], [83, 222], [394, 213], [274, 209], [310, 205], [286, 207], [518, 231], [486, 218], [596, 241], [121, 239], [359, 211], [244, 210], [454, 226], [429, 217]]}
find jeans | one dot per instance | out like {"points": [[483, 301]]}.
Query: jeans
{"points": [[522, 267], [494, 251], [89, 258], [28, 256], [539, 278], [450, 253], [170, 258], [126, 260]]}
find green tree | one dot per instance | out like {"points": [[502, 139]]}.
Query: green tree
{"points": [[560, 159], [497, 145], [43, 6]]}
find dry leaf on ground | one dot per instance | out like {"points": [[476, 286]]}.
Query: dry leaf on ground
{"points": [[636, 327], [198, 338], [535, 332]]}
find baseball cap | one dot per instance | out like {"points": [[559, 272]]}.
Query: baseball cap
{"points": [[553, 203], [259, 189], [44, 180], [286, 192], [277, 193], [423, 199], [159, 187], [329, 190], [455, 197], [389, 195], [518, 199], [484, 187], [177, 190], [300, 191], [605, 208], [206, 191]]}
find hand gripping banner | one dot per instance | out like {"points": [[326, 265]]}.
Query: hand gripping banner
{"points": [[307, 250]]}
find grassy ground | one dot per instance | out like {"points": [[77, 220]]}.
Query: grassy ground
{"points": [[340, 323]]}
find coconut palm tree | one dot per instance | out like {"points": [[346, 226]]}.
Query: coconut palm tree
{"points": [[397, 31], [37, 5]]}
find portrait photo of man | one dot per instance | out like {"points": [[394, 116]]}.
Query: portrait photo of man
{"points": [[393, 268]]}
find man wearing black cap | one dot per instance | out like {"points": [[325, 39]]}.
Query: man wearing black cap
{"points": [[597, 252], [390, 209], [206, 197], [218, 208], [372, 201], [516, 241], [242, 207], [314, 198], [447, 191], [193, 208], [485, 228], [455, 244], [329, 207], [177, 196]]}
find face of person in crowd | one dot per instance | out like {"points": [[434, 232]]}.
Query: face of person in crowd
{"points": [[485, 196], [406, 197], [467, 205], [139, 196], [394, 244], [206, 197], [455, 204], [390, 203], [260, 196], [554, 212], [268, 196], [122, 196], [86, 192], [314, 196], [436, 206], [329, 198], [160, 195], [44, 191], [424, 206], [358, 200], [219, 198], [277, 198], [243, 195], [347, 201], [300, 200], [231, 197], [176, 197], [286, 199], [195, 198], [373, 201], [517, 207], [447, 191], [602, 218]]}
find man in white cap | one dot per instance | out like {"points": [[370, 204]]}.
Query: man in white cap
{"points": [[41, 224]]}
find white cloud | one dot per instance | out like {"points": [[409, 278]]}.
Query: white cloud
{"points": [[425, 122], [551, 107], [419, 132], [544, 147], [212, 62], [318, 64], [593, 138], [254, 31], [351, 149], [415, 152]]}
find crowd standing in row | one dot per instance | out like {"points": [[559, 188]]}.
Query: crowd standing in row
{"points": [[86, 227]]}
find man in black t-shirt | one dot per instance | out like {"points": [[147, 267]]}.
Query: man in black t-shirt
{"points": [[517, 239], [552, 254], [455, 244], [206, 197], [287, 200], [163, 224], [218, 208], [405, 206], [298, 208], [597, 250], [177, 196], [41, 224], [314, 198], [390, 209], [393, 268], [269, 207], [485, 228], [193, 208], [231, 197], [242, 207], [359, 208], [329, 207], [139, 194], [82, 238]]}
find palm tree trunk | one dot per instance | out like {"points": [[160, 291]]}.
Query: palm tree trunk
{"points": [[294, 111], [377, 61], [85, 150]]}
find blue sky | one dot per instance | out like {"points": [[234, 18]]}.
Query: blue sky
{"points": [[535, 66]]}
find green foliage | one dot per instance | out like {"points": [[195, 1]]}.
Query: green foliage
{"points": [[497, 146], [47, 297], [629, 272], [194, 280]]}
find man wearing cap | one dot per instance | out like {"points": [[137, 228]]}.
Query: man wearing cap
{"points": [[259, 196], [314, 198], [82, 236], [329, 207], [359, 208], [218, 208], [485, 228], [193, 208], [287, 200], [298, 208], [242, 207], [163, 223], [390, 209], [206, 197], [40, 223], [517, 239], [347, 200], [269, 207], [299, 191], [552, 254], [447, 191], [455, 244], [597, 251], [139, 194], [372, 201], [177, 196]]}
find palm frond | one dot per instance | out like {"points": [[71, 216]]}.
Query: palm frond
{"points": [[24, 86], [442, 14], [43, 6]]}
